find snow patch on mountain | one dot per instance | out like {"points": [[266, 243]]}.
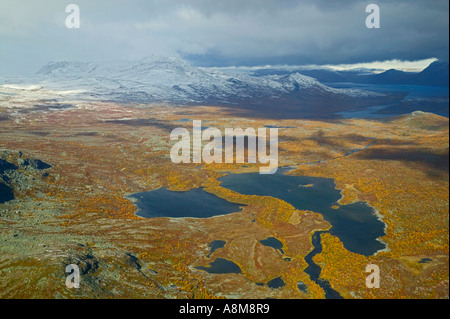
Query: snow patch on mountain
{"points": [[160, 79]]}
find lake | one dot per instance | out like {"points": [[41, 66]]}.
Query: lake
{"points": [[314, 270], [221, 266], [196, 203], [276, 283], [369, 112], [214, 245], [356, 225], [273, 243], [426, 95]]}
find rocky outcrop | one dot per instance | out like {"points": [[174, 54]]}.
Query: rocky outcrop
{"points": [[18, 173]]}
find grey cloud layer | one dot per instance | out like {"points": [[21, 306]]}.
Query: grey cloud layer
{"points": [[213, 32]]}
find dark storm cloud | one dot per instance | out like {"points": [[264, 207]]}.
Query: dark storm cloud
{"points": [[232, 32]]}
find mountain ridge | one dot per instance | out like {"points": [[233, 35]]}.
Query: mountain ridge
{"points": [[161, 80], [181, 81], [436, 74]]}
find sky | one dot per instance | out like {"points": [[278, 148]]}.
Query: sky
{"points": [[223, 33]]}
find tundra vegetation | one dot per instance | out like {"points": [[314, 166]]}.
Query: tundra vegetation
{"points": [[77, 211]]}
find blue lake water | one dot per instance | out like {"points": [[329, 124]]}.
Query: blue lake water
{"points": [[425, 260], [356, 225], [414, 93], [221, 266], [276, 126], [276, 283], [314, 270], [216, 244], [195, 203], [273, 243], [369, 112]]}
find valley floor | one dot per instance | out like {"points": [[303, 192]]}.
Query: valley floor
{"points": [[76, 211]]}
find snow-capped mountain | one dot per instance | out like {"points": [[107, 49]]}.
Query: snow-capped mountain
{"points": [[158, 79]]}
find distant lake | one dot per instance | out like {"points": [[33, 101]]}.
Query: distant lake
{"points": [[427, 95], [276, 126], [369, 112], [196, 203], [414, 91]]}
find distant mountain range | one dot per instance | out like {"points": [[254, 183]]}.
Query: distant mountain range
{"points": [[160, 78], [436, 74], [167, 80], [274, 93]]}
